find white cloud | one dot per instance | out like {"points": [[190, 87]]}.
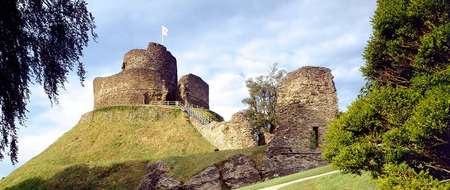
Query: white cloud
{"points": [[48, 123], [75, 101], [226, 92], [296, 34], [31, 145], [347, 74]]}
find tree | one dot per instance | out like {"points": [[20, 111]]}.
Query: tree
{"points": [[399, 127], [263, 97], [41, 41]]}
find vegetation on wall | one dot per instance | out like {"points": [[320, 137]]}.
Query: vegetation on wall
{"points": [[399, 127]]}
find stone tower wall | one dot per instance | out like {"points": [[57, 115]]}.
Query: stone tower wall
{"points": [[147, 75], [306, 100], [194, 91]]}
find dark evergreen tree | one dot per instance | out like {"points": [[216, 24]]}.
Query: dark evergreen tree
{"points": [[399, 127], [41, 41]]}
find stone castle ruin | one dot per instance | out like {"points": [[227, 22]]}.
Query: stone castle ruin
{"points": [[306, 103], [149, 75]]}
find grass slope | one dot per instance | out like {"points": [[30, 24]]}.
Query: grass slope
{"points": [[109, 149], [332, 181], [335, 182], [292, 177]]}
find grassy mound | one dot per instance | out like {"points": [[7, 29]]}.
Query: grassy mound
{"points": [[127, 175], [110, 147]]}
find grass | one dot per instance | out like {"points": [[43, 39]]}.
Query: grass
{"points": [[328, 182], [82, 176], [209, 114], [336, 181], [129, 174], [280, 180], [113, 145]]}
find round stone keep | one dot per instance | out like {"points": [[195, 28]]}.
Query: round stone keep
{"points": [[147, 75]]}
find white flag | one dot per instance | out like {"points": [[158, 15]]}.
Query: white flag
{"points": [[164, 30]]}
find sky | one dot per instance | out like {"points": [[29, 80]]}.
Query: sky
{"points": [[224, 42]]}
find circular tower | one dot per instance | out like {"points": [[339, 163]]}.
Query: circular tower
{"points": [[147, 75]]}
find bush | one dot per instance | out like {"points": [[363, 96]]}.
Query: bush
{"points": [[399, 127]]}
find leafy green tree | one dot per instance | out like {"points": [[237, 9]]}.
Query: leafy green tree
{"points": [[41, 41], [263, 97], [401, 120]]}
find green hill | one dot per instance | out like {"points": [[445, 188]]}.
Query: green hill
{"points": [[110, 148]]}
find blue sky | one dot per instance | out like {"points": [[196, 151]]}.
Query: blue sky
{"points": [[224, 42]]}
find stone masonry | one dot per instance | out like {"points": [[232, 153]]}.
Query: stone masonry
{"points": [[306, 103], [147, 75], [193, 91], [234, 134]]}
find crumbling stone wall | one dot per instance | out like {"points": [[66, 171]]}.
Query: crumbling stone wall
{"points": [[194, 91], [147, 75], [306, 103], [234, 134]]}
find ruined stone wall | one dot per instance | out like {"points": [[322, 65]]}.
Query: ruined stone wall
{"points": [[234, 134], [306, 100], [193, 91], [147, 75]]}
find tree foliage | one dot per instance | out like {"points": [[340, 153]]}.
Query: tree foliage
{"points": [[263, 97], [408, 37], [399, 127], [401, 176], [41, 41]]}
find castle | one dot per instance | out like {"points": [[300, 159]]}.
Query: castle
{"points": [[150, 75], [306, 103]]}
